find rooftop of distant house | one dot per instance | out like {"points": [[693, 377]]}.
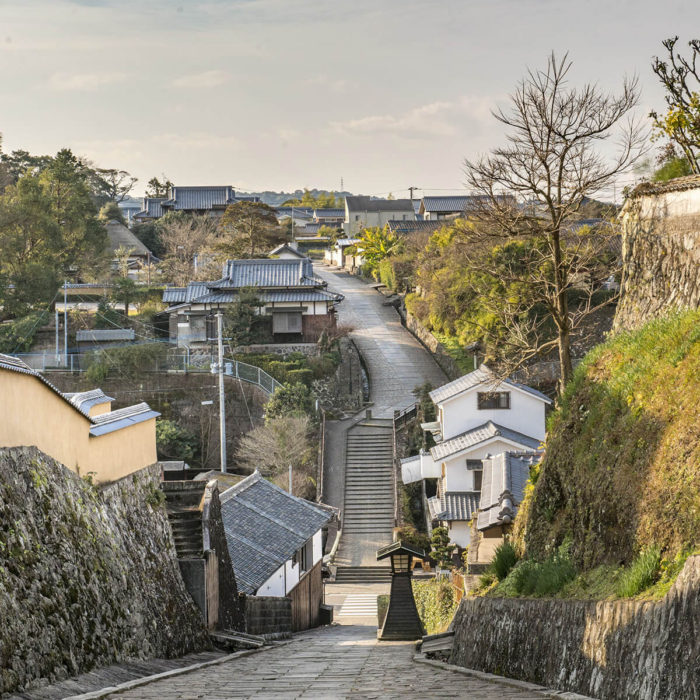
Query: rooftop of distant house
{"points": [[368, 204]]}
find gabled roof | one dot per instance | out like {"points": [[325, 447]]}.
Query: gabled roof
{"points": [[121, 418], [399, 547], [264, 527], [180, 295], [286, 248], [120, 237], [454, 505], [482, 375], [478, 435], [199, 198], [452, 205], [362, 203], [267, 273], [503, 486]]}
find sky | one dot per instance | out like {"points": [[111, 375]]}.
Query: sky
{"points": [[284, 94]]}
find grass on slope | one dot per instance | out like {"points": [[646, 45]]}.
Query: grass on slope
{"points": [[622, 468]]}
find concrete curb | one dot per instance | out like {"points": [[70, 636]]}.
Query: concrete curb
{"points": [[502, 680], [137, 682]]}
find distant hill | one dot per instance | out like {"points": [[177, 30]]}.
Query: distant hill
{"points": [[277, 199]]}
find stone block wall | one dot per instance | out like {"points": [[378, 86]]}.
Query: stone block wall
{"points": [[267, 616], [660, 257], [88, 577], [442, 357], [612, 650]]}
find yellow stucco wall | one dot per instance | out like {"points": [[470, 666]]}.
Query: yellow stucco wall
{"points": [[32, 414]]}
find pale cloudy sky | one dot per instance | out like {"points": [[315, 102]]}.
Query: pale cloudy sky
{"points": [[280, 94]]}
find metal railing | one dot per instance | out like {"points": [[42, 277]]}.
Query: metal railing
{"points": [[181, 362]]}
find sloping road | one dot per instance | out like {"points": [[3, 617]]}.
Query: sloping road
{"points": [[395, 360], [331, 662]]}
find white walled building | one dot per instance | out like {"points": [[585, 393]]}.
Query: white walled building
{"points": [[478, 417], [364, 212], [276, 542]]}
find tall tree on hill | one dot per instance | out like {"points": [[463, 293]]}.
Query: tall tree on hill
{"points": [[532, 191], [248, 229], [680, 77]]}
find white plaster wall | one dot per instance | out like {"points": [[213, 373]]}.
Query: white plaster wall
{"points": [[274, 586], [317, 548], [458, 477], [526, 413], [460, 533], [681, 203], [292, 575]]}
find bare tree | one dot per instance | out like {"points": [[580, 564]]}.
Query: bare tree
{"points": [[248, 229], [186, 238], [531, 193], [273, 447]]}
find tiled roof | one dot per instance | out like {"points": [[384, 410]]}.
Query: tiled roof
{"points": [[451, 205], [104, 334], [151, 208], [122, 418], [480, 434], [362, 203], [85, 400], [264, 527], [298, 211], [271, 296], [329, 213], [200, 198], [503, 486], [267, 273], [454, 505], [481, 375], [310, 227], [398, 226], [120, 237], [678, 184], [179, 295]]}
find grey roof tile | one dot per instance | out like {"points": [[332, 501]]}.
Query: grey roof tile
{"points": [[85, 400], [264, 527], [481, 375], [503, 486], [480, 434], [456, 505], [199, 198], [362, 203]]}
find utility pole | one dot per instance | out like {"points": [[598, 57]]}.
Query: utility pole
{"points": [[65, 319], [290, 479], [58, 346], [410, 189], [292, 223], [222, 403]]}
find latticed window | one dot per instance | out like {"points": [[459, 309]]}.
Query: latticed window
{"points": [[493, 399]]}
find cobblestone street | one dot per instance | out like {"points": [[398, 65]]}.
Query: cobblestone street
{"points": [[332, 662]]}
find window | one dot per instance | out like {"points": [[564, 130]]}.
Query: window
{"points": [[477, 480], [493, 399], [357, 217], [305, 556], [286, 322], [474, 464]]}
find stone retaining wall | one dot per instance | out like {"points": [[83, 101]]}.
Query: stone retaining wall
{"points": [[614, 650], [442, 357], [660, 257], [88, 577]]}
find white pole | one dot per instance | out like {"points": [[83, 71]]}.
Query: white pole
{"points": [[222, 402], [290, 478], [58, 346], [65, 319]]}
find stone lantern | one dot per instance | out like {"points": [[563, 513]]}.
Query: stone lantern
{"points": [[402, 621]]}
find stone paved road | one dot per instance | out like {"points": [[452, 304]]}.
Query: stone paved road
{"points": [[396, 361], [332, 662]]}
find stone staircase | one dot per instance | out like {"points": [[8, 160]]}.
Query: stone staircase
{"points": [[368, 515], [183, 502]]}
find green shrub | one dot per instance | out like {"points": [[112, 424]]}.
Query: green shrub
{"points": [[410, 535], [505, 558], [290, 400], [174, 441], [640, 574], [18, 335], [547, 577], [303, 376], [436, 603]]}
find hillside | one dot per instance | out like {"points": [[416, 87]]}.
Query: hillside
{"points": [[622, 466]]}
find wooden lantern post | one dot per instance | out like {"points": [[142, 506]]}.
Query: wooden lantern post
{"points": [[402, 621]]}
